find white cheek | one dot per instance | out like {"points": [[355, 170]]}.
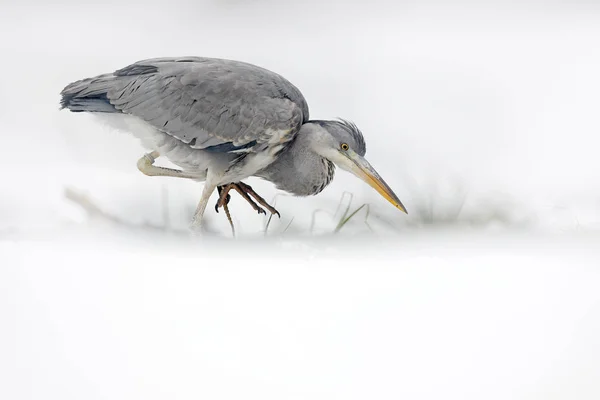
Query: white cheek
{"points": [[339, 159]]}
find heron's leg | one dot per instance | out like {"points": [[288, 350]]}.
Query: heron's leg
{"points": [[248, 189], [147, 167], [223, 201], [209, 187], [229, 219]]}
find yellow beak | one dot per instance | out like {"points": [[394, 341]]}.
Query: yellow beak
{"points": [[363, 170]]}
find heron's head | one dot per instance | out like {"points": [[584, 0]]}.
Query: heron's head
{"points": [[342, 143]]}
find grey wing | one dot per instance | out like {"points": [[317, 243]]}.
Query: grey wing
{"points": [[211, 103]]}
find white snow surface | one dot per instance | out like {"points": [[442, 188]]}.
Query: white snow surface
{"points": [[483, 117]]}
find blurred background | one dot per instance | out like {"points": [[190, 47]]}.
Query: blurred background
{"points": [[482, 116], [478, 114]]}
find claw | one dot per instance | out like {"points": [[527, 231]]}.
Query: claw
{"points": [[245, 191], [222, 201], [248, 189]]}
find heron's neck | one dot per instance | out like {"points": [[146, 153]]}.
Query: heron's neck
{"points": [[299, 169]]}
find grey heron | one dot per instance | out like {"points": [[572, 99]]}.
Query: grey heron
{"points": [[222, 121]]}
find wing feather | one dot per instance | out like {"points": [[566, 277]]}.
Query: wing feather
{"points": [[210, 102]]}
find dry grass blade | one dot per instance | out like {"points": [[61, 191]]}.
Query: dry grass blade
{"points": [[344, 220], [90, 207], [94, 211], [313, 219], [341, 200], [288, 225], [367, 217], [274, 203], [165, 206]]}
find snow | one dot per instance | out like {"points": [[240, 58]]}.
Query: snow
{"points": [[297, 320], [482, 118]]}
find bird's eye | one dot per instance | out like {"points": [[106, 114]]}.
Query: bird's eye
{"points": [[345, 146]]}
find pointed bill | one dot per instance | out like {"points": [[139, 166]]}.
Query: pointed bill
{"points": [[362, 169]]}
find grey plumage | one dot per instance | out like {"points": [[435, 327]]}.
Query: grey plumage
{"points": [[311, 173], [221, 121], [203, 102], [348, 131]]}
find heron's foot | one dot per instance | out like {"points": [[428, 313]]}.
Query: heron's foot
{"points": [[238, 188], [248, 189], [224, 197], [245, 191]]}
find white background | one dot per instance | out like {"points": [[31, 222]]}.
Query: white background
{"points": [[483, 117]]}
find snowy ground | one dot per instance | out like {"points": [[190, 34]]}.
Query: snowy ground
{"points": [[484, 120]]}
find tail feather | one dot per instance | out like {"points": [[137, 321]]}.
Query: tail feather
{"points": [[89, 95]]}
